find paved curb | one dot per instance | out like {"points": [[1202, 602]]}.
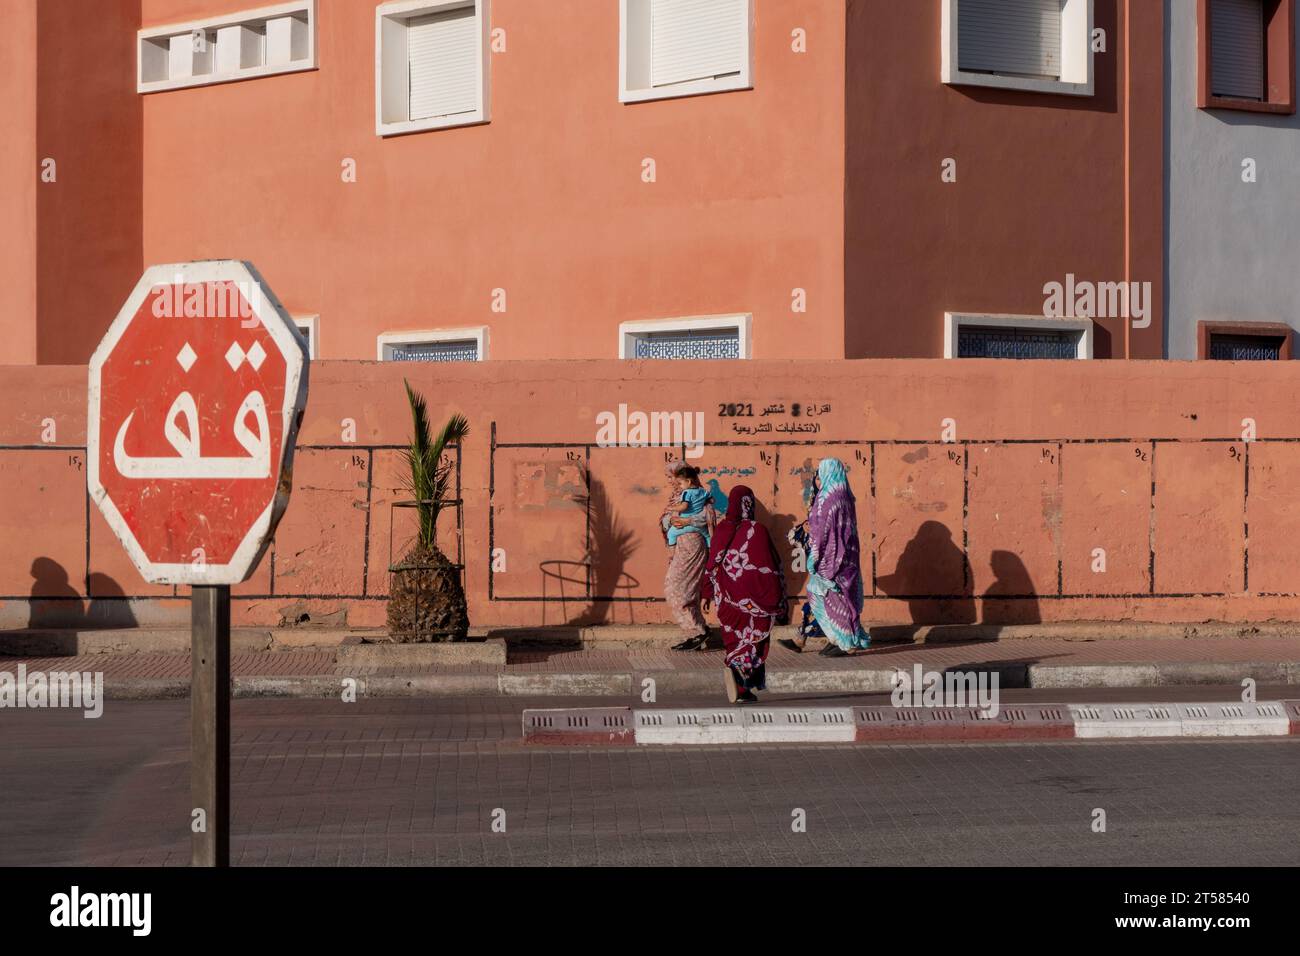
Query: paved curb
{"points": [[75, 641], [422, 655], [625, 726], [362, 647], [682, 682]]}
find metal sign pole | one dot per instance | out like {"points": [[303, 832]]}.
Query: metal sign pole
{"points": [[210, 725]]}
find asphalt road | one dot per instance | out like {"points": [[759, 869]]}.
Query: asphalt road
{"points": [[419, 782]]}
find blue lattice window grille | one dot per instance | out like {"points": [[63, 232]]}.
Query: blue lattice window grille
{"points": [[688, 344], [1246, 348], [465, 350], [1014, 343]]}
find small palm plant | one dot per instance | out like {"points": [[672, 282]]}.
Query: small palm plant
{"points": [[426, 599]]}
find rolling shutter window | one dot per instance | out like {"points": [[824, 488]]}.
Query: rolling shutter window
{"points": [[443, 52], [1010, 36], [1237, 48], [697, 39]]}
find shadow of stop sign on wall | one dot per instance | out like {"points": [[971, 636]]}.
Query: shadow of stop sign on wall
{"points": [[196, 395]]}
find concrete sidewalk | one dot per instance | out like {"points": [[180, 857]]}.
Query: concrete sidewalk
{"points": [[501, 666]]}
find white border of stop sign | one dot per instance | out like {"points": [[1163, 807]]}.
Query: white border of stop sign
{"points": [[275, 319]]}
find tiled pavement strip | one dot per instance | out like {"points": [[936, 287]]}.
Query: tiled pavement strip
{"points": [[293, 663], [416, 782]]}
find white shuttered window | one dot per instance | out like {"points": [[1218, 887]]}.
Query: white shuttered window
{"points": [[697, 39], [431, 65], [443, 50], [1237, 48], [1021, 37]]}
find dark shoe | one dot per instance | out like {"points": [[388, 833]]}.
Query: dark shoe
{"points": [[790, 645], [831, 650], [746, 697], [695, 643]]}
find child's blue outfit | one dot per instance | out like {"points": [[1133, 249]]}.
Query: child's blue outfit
{"points": [[696, 499]]}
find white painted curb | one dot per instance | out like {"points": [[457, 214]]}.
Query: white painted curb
{"points": [[695, 726], [760, 725], [770, 725], [1262, 719]]}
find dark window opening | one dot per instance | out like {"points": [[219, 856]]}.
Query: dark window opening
{"points": [[1013, 343], [1246, 348]]}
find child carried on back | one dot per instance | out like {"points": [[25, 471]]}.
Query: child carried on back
{"points": [[688, 503]]}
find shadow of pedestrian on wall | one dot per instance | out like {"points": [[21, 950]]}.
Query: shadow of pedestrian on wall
{"points": [[55, 602], [108, 606], [1011, 598], [934, 578], [780, 526]]}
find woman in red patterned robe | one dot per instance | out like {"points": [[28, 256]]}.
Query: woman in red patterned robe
{"points": [[743, 577]]}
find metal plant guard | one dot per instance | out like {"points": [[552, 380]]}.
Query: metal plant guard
{"points": [[458, 505]]}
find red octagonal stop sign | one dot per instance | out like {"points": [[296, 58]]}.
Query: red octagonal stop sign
{"points": [[196, 394]]}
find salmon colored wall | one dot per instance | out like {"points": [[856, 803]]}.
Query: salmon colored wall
{"points": [[19, 172], [1046, 185], [90, 219], [1052, 461], [545, 202]]}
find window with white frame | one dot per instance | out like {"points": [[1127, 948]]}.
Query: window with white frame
{"points": [[983, 335], [705, 337], [436, 345], [239, 46], [674, 48], [1042, 46], [430, 65]]}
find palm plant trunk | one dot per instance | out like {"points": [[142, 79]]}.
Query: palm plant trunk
{"points": [[426, 595]]}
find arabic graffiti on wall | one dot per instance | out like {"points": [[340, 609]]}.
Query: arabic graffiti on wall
{"points": [[780, 418]]}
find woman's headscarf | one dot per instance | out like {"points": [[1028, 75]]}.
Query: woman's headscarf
{"points": [[831, 475], [744, 569], [833, 525], [740, 504]]}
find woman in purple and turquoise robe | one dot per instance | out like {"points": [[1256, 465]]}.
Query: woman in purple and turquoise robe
{"points": [[835, 594]]}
